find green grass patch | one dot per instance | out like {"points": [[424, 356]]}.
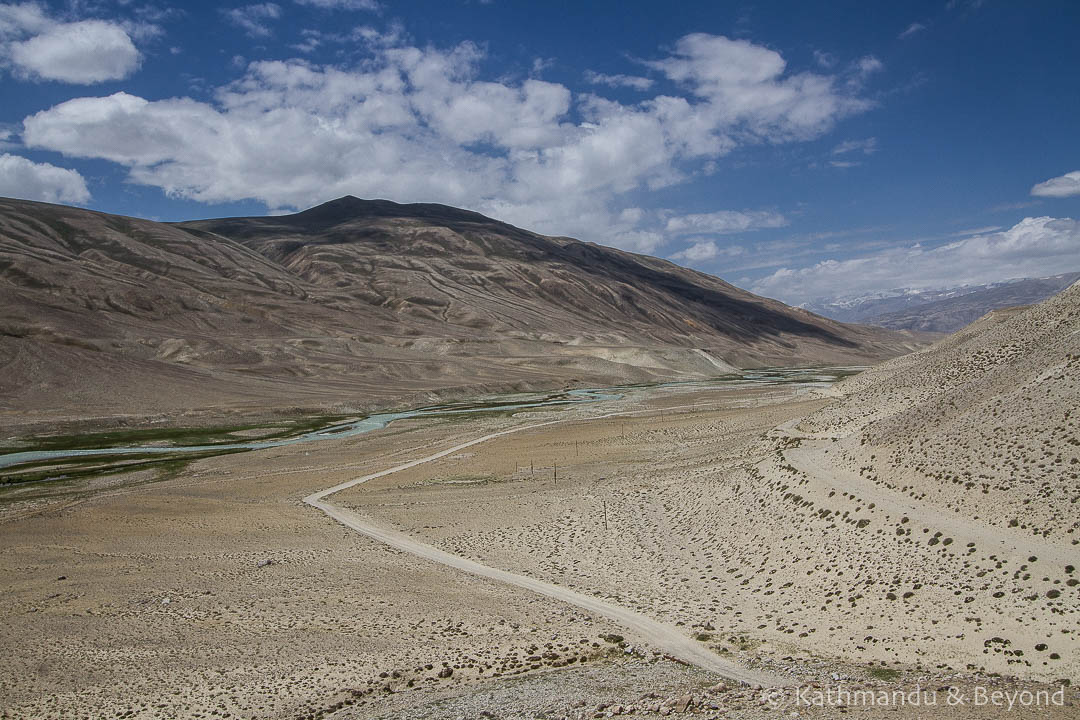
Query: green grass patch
{"points": [[211, 435], [85, 467], [882, 673]]}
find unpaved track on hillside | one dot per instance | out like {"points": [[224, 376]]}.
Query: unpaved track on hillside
{"points": [[815, 464], [661, 636]]}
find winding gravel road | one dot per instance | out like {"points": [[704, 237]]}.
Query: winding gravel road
{"points": [[663, 637]]}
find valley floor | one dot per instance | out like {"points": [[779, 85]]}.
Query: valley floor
{"points": [[221, 593]]}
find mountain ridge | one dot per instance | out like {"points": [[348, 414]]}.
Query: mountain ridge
{"points": [[945, 310], [357, 305]]}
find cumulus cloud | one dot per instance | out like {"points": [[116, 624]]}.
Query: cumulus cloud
{"points": [[1034, 247], [745, 85], [27, 180], [1065, 186], [724, 221], [17, 20], [420, 124], [253, 19], [631, 81], [83, 52]]}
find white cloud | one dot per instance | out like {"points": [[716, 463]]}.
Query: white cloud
{"points": [[745, 85], [22, 19], [631, 81], [252, 19], [1034, 247], [142, 30], [370, 5], [861, 70], [724, 221], [976, 231], [419, 124], [1065, 186], [702, 250], [912, 29], [698, 252], [28, 180], [866, 147], [541, 64], [83, 52], [393, 36], [312, 40], [868, 65], [824, 59]]}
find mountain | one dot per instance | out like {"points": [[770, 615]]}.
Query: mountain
{"points": [[983, 423], [354, 305], [851, 308], [943, 311], [950, 314]]}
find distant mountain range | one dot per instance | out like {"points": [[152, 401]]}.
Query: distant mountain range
{"points": [[942, 311], [355, 305]]}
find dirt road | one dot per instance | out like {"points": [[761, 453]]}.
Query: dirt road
{"points": [[663, 637]]}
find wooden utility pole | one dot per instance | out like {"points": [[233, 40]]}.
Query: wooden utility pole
{"points": [[556, 468], [605, 514]]}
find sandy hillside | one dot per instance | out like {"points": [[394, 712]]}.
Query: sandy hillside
{"points": [[154, 599], [983, 424]]}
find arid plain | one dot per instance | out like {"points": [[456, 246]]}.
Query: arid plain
{"points": [[765, 522]]}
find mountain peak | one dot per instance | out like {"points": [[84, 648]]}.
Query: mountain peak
{"points": [[349, 207]]}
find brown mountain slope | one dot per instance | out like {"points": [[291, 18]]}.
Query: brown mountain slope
{"points": [[358, 304]]}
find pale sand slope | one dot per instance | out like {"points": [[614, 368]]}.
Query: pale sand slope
{"points": [[152, 601], [693, 531], [665, 637], [984, 423], [911, 562]]}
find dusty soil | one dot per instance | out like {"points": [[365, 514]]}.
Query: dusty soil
{"points": [[219, 593]]}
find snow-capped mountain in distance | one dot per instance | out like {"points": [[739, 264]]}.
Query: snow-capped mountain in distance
{"points": [[939, 310]]}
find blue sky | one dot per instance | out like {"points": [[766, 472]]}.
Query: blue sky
{"points": [[805, 151]]}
